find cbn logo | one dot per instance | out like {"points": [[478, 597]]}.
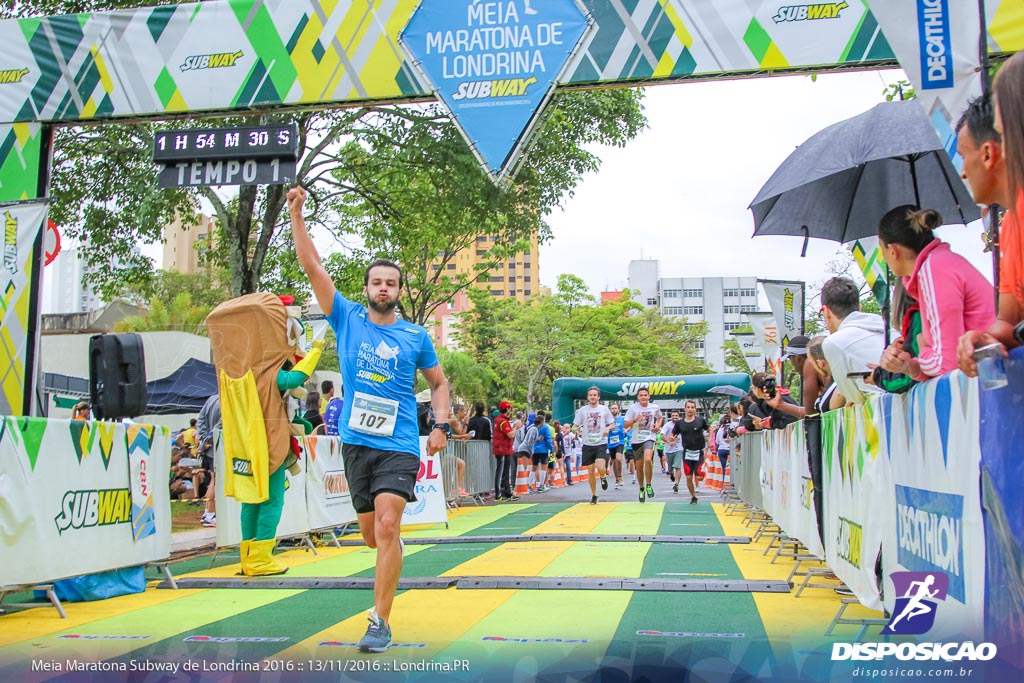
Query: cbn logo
{"points": [[12, 75], [826, 10], [85, 509], [218, 60]]}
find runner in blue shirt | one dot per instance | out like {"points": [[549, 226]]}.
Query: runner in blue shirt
{"points": [[616, 443], [379, 355]]}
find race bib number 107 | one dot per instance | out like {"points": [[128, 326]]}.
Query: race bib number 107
{"points": [[373, 415]]}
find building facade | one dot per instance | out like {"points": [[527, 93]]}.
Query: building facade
{"points": [[721, 302], [184, 246], [516, 278]]}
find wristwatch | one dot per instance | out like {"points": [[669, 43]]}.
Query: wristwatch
{"points": [[444, 427]]}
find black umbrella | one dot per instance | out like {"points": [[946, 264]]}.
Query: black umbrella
{"points": [[841, 181]]}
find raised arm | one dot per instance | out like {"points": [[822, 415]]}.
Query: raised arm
{"points": [[305, 250]]}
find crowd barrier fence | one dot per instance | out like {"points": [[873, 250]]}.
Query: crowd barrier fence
{"points": [[81, 497], [926, 481]]}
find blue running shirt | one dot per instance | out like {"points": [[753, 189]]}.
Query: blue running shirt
{"points": [[378, 370], [617, 433]]}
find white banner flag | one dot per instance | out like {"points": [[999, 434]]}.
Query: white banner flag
{"points": [[786, 299], [751, 350], [21, 224], [767, 333]]}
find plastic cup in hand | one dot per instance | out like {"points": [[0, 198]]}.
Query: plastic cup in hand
{"points": [[991, 370]]}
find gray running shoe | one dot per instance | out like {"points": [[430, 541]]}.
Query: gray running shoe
{"points": [[378, 635]]}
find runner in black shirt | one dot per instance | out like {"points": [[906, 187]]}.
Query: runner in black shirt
{"points": [[693, 430]]}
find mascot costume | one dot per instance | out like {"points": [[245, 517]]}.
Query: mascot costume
{"points": [[255, 342]]}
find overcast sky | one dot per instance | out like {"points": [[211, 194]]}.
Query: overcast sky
{"points": [[679, 192]]}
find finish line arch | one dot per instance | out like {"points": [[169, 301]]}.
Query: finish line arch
{"points": [[565, 390], [255, 56]]}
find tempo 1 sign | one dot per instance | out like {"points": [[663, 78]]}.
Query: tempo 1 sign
{"points": [[228, 172], [252, 155]]}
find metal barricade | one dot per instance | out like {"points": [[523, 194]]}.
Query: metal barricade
{"points": [[746, 469], [477, 478]]}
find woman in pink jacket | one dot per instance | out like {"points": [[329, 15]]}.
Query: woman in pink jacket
{"points": [[954, 297]]}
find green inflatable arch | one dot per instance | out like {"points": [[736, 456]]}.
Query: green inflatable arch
{"points": [[565, 390]]}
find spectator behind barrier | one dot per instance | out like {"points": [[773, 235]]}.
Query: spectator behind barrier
{"points": [[906, 313], [312, 414], [987, 169], [810, 383], [954, 297], [856, 339], [831, 398], [479, 425], [763, 413]]}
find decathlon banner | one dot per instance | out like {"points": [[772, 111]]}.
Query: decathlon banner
{"points": [[429, 506], [328, 501], [858, 497], [932, 437], [294, 519], [787, 488], [786, 299], [22, 222], [938, 44], [73, 504], [766, 331]]}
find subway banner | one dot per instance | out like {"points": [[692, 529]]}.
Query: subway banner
{"points": [[21, 225], [858, 497], [786, 300], [936, 530], [787, 489], [81, 497]]}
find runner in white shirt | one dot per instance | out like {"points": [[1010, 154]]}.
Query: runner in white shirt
{"points": [[594, 420], [673, 449], [645, 420]]}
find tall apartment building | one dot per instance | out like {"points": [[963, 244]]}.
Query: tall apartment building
{"points": [[719, 301], [184, 246], [517, 278], [66, 291]]}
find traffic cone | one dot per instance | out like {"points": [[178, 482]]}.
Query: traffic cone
{"points": [[522, 480], [555, 475]]}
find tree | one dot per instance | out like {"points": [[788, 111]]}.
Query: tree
{"points": [[206, 289], [181, 315], [467, 378], [569, 334], [395, 180]]}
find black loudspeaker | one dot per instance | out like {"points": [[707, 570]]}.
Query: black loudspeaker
{"points": [[117, 376]]}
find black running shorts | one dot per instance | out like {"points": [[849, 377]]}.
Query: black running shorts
{"points": [[371, 471]]}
